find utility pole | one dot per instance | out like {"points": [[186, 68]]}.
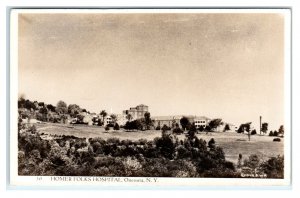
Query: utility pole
{"points": [[260, 125]]}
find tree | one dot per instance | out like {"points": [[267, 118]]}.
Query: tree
{"points": [[271, 133], [129, 117], [74, 110], [44, 112], [227, 128], [252, 162], [61, 107], [239, 164], [29, 105], [51, 107], [116, 127], [244, 127], [79, 118], [165, 128], [103, 114], [214, 123], [184, 121], [21, 102], [174, 124], [148, 120], [281, 130], [212, 143], [192, 131], [113, 118], [253, 132], [201, 128], [264, 127], [135, 124], [274, 167], [207, 129]]}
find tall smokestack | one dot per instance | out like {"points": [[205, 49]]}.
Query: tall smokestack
{"points": [[260, 125]]}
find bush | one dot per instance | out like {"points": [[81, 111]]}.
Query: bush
{"points": [[110, 125], [116, 127], [212, 143], [192, 131], [157, 128], [107, 128], [276, 140], [226, 128], [271, 133], [165, 128], [182, 152], [177, 131], [275, 133], [274, 167], [201, 128], [253, 132], [166, 146]]}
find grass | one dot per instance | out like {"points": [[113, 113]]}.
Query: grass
{"points": [[232, 143]]}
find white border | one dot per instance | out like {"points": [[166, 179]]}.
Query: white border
{"points": [[46, 181]]}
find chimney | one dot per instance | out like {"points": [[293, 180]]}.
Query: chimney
{"points": [[260, 125]]}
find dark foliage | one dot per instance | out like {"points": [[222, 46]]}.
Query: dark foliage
{"points": [[276, 140], [244, 128], [116, 127], [274, 167], [177, 131], [271, 133], [253, 132], [163, 157], [184, 121], [227, 128]]}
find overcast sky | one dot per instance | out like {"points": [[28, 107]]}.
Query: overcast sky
{"points": [[217, 65]]}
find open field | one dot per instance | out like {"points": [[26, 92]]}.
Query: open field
{"points": [[231, 142]]}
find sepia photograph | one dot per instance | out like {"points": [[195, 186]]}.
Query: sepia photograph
{"points": [[139, 96]]}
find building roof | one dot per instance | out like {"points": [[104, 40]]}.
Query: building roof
{"points": [[142, 105], [201, 118], [166, 117], [177, 117]]}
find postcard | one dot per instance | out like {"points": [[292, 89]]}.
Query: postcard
{"points": [[150, 97]]}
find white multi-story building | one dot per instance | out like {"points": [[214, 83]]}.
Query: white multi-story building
{"points": [[107, 120], [201, 121]]}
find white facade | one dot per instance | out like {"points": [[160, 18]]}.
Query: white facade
{"points": [[201, 121], [107, 120]]}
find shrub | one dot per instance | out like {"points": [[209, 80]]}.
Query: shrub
{"points": [[252, 162], [201, 128], [212, 143], [192, 131], [165, 128], [253, 132], [157, 128], [276, 140], [113, 141], [116, 127], [271, 133], [274, 167], [177, 131], [166, 146], [107, 128], [226, 128], [275, 133], [142, 142], [182, 152]]}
